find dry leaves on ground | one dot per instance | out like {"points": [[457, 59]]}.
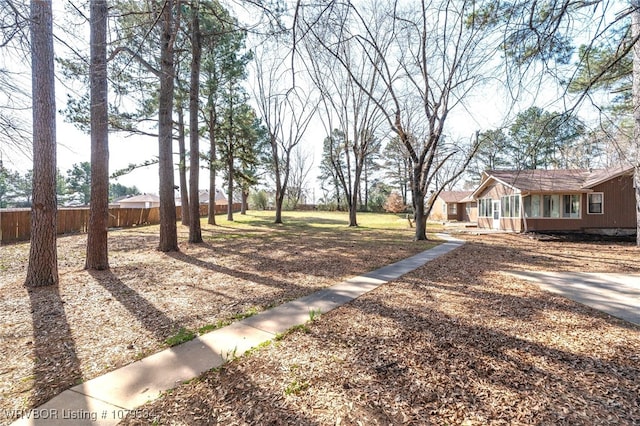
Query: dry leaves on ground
{"points": [[94, 322], [454, 342]]}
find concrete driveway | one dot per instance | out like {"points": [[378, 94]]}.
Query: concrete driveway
{"points": [[615, 294]]}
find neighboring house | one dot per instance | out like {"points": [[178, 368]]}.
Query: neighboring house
{"points": [[144, 201], [204, 198], [454, 205], [589, 201]]}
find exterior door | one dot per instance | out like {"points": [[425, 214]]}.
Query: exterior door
{"points": [[496, 214]]}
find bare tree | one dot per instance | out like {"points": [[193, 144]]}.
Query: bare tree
{"points": [[286, 111], [349, 108], [428, 57], [97, 247], [301, 165], [43, 261]]}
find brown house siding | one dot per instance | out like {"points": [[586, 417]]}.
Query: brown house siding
{"points": [[469, 211], [436, 210], [618, 208], [619, 205]]}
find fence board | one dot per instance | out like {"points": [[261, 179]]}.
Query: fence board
{"points": [[15, 224]]}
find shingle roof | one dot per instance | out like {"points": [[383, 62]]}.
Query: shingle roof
{"points": [[603, 175], [454, 196], [141, 199], [542, 180], [575, 180]]}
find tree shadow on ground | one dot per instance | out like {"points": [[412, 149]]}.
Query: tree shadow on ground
{"points": [[464, 361], [223, 396], [56, 363], [152, 319], [247, 276]]}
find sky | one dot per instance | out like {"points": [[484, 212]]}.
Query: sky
{"points": [[485, 111]]}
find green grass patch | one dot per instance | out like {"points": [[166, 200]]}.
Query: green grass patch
{"points": [[246, 314], [181, 336], [210, 327], [296, 386]]}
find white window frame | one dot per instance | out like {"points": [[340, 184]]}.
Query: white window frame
{"points": [[601, 194], [579, 213], [510, 206], [486, 210], [553, 198]]}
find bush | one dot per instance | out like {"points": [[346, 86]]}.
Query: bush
{"points": [[259, 200], [394, 203]]}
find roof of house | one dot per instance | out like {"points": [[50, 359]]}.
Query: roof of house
{"points": [[454, 196], [550, 181], [203, 196], [144, 198], [599, 176]]}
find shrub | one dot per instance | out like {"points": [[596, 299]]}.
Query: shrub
{"points": [[394, 203]]}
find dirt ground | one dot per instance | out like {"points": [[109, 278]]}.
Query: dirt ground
{"points": [[93, 322], [454, 342]]}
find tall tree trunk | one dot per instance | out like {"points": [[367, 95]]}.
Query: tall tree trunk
{"points": [[275, 157], [168, 228], [212, 167], [635, 31], [195, 232], [353, 208], [230, 159], [279, 204], [230, 187], [97, 248], [418, 205], [245, 201], [182, 168], [43, 261]]}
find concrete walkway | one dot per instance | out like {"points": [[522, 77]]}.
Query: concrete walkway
{"points": [[615, 294], [107, 399]]}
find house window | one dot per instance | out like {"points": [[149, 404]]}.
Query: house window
{"points": [[453, 208], [595, 203], [571, 206], [485, 207], [551, 206], [510, 206], [532, 206]]}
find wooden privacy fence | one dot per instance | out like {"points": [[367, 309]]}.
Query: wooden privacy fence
{"points": [[15, 224]]}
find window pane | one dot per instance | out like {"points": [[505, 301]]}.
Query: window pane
{"points": [[516, 206], [555, 206], [595, 203], [566, 206], [575, 206], [527, 206], [546, 202], [536, 211]]}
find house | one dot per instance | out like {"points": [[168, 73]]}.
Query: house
{"points": [[144, 201], [588, 201], [203, 196], [454, 205]]}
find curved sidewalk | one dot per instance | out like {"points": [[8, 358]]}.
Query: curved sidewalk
{"points": [[107, 399]]}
